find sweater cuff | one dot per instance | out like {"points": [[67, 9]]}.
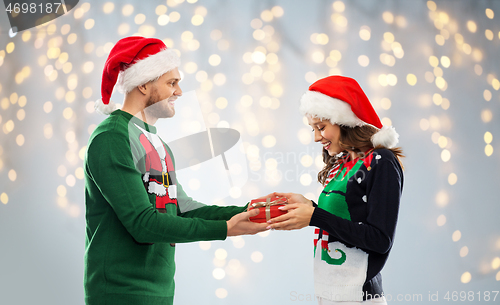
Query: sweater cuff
{"points": [[221, 229], [321, 218]]}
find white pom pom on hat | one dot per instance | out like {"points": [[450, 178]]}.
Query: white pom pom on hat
{"points": [[341, 100], [105, 109], [386, 136], [132, 62]]}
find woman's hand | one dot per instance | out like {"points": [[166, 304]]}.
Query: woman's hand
{"points": [[300, 210]]}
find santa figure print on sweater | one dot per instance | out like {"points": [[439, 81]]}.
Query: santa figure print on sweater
{"points": [[159, 176]]}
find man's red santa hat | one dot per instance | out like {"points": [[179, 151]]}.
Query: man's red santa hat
{"points": [[132, 62], [341, 100]]}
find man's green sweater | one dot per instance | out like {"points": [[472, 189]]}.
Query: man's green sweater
{"points": [[130, 244]]}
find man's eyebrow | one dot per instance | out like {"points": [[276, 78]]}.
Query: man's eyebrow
{"points": [[174, 78]]}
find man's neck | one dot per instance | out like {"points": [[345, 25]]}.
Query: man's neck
{"points": [[146, 118], [135, 108]]}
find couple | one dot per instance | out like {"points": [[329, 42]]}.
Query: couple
{"points": [[136, 210]]}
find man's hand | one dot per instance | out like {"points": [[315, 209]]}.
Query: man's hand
{"points": [[240, 225], [268, 196], [291, 197], [294, 198]]}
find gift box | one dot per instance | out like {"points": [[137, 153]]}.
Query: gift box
{"points": [[268, 208]]}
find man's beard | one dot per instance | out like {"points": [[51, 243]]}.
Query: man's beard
{"points": [[156, 108]]}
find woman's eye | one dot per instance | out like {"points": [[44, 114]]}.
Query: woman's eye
{"points": [[321, 129]]}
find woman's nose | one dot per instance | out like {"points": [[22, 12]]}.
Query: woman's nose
{"points": [[317, 136]]}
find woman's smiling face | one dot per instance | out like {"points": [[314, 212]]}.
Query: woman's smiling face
{"points": [[327, 134]]}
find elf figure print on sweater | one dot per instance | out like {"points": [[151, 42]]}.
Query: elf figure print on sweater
{"points": [[159, 177], [356, 218], [325, 249]]}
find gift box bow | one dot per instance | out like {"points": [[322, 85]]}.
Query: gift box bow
{"points": [[267, 204], [259, 203]]}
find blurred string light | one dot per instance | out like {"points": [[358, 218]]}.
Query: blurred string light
{"points": [[448, 29], [221, 293], [55, 63], [4, 198], [263, 60]]}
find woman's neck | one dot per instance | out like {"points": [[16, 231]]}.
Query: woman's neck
{"points": [[354, 155]]}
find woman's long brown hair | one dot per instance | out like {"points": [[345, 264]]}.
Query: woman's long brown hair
{"points": [[357, 137]]}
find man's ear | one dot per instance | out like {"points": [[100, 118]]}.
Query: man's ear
{"points": [[144, 89]]}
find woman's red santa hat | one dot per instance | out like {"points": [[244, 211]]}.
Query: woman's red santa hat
{"points": [[341, 100], [132, 62]]}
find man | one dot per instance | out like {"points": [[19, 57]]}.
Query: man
{"points": [[135, 209]]}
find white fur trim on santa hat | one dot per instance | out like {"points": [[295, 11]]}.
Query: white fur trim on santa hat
{"points": [[324, 107], [156, 188], [101, 108], [160, 190], [145, 178], [147, 69], [386, 136]]}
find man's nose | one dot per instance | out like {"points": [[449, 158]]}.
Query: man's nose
{"points": [[178, 91]]}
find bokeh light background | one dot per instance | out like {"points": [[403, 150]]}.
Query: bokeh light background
{"points": [[430, 69]]}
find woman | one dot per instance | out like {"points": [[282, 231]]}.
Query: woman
{"points": [[357, 211]]}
